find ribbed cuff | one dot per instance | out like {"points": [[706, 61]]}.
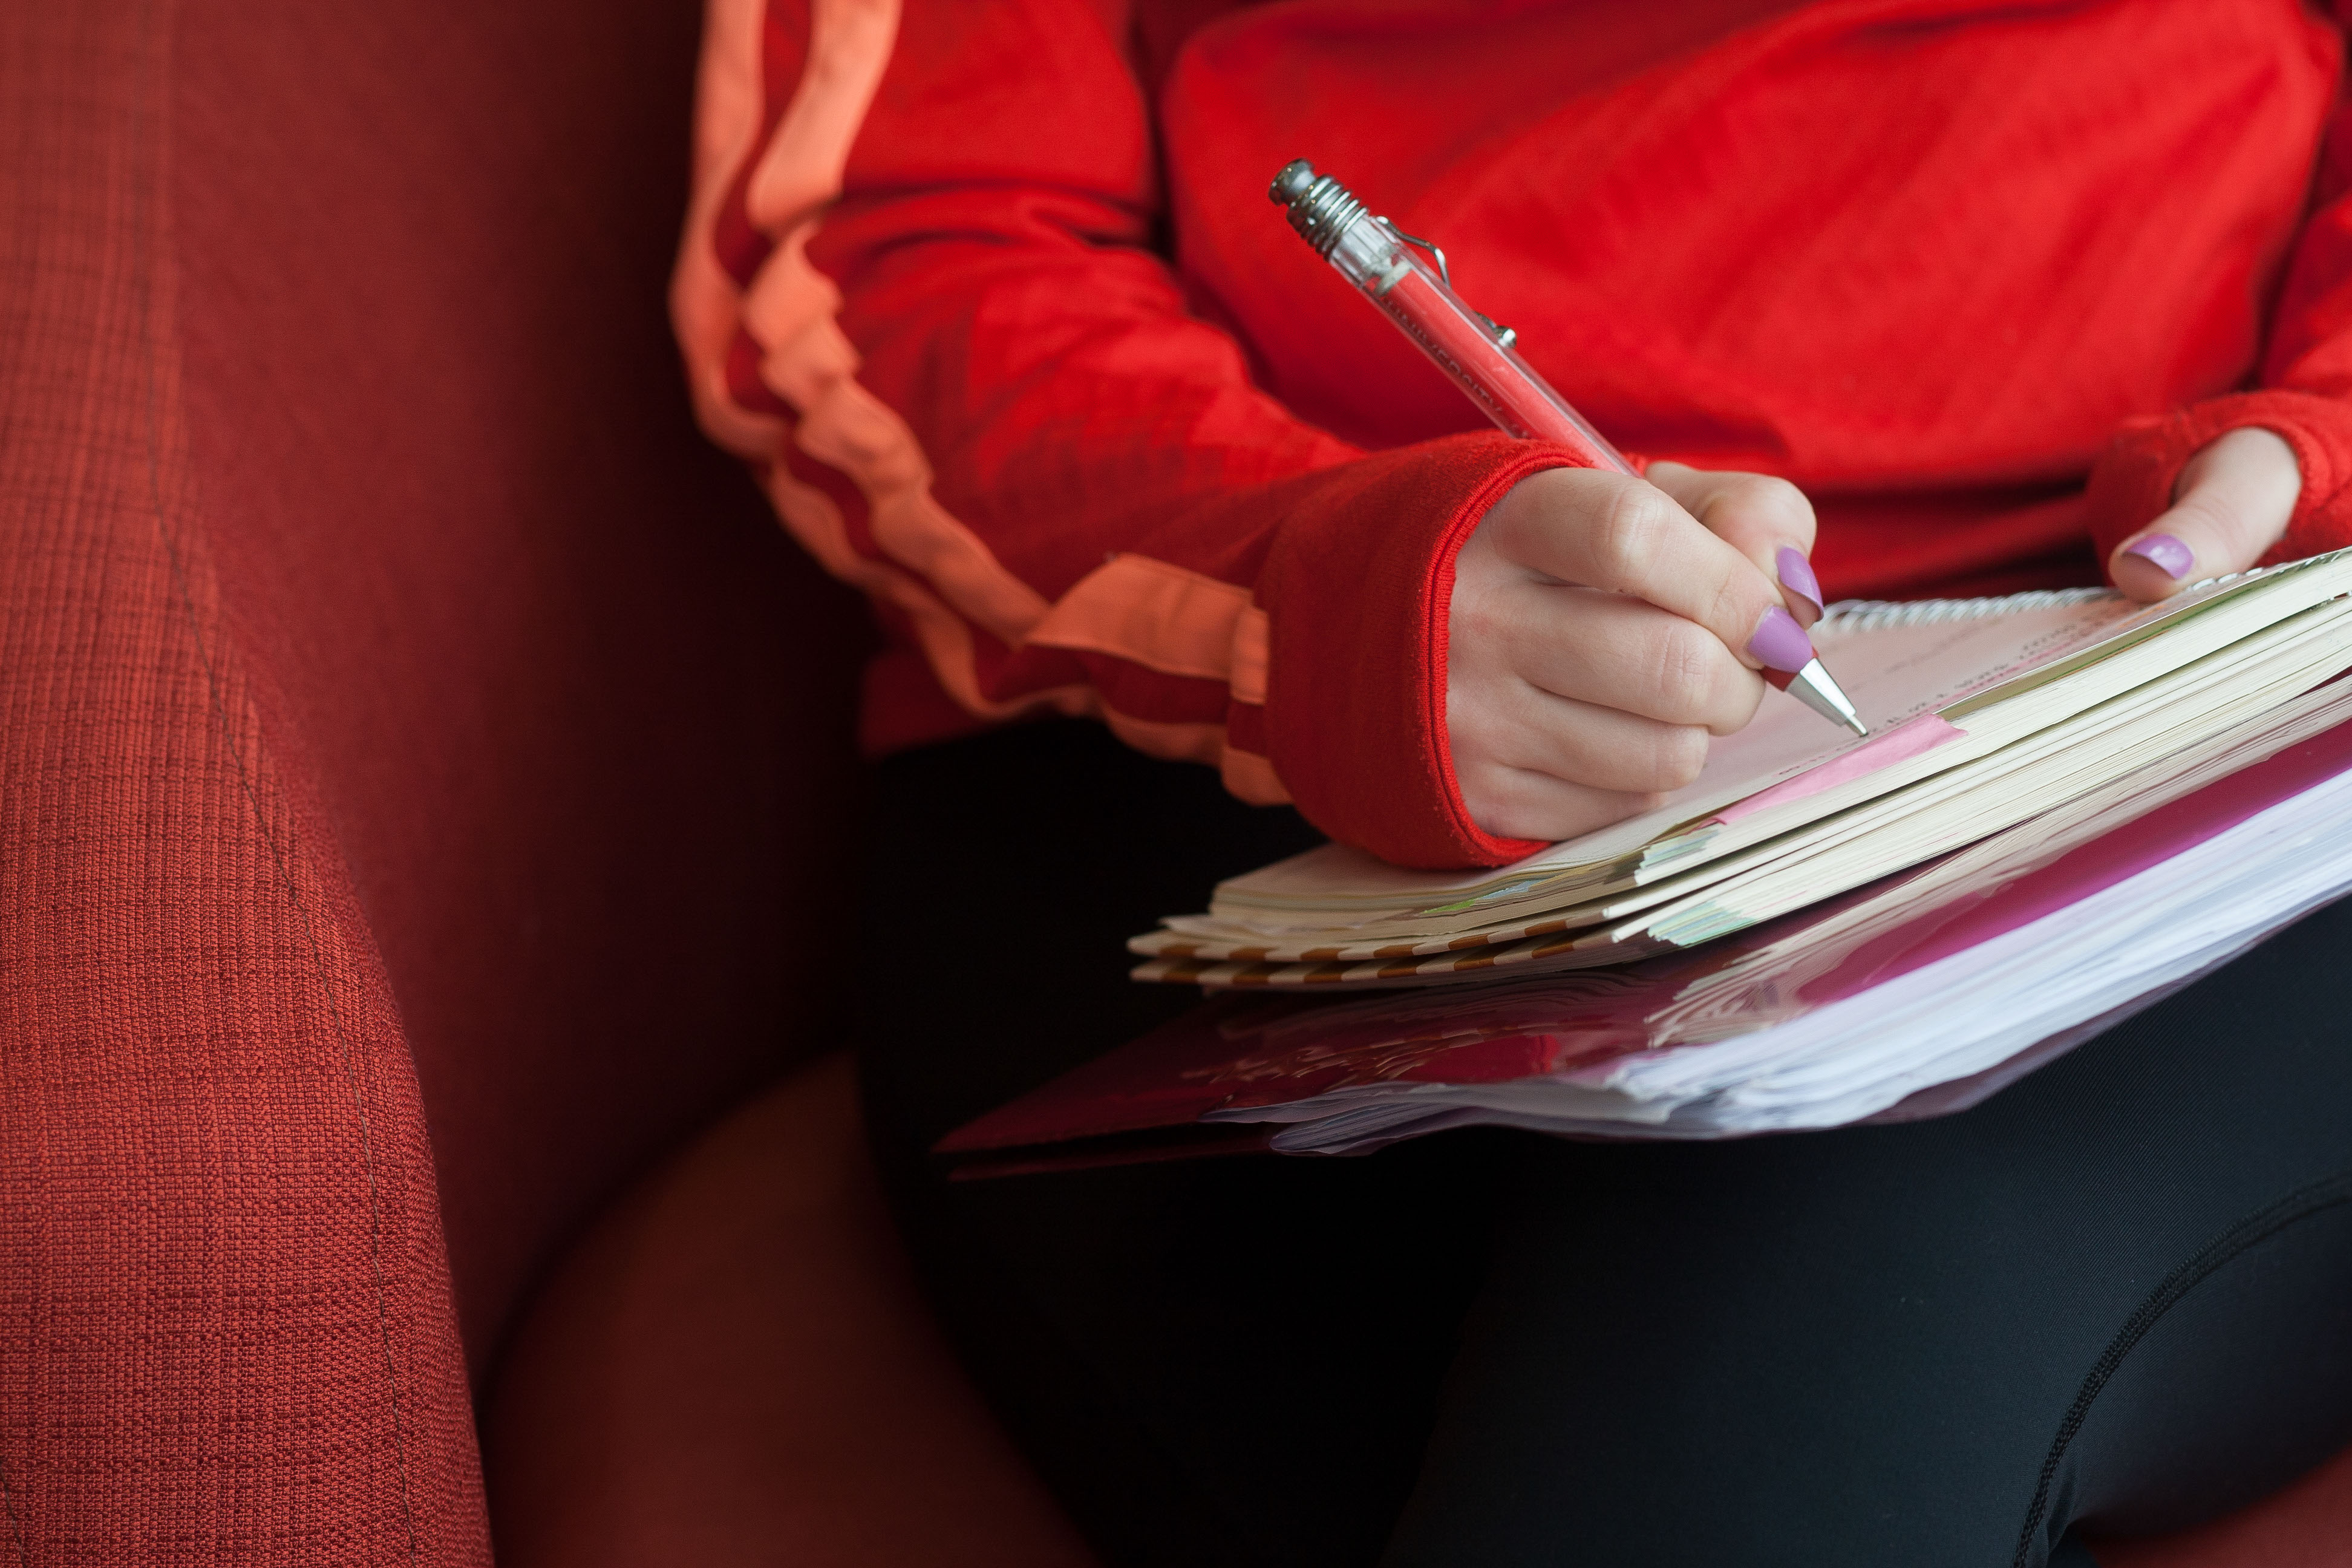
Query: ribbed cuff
{"points": [[2133, 482], [1357, 590]]}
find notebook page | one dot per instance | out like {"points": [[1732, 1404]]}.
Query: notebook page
{"points": [[2224, 677], [1894, 662]]}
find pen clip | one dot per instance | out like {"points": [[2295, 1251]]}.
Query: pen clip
{"points": [[1504, 336], [1431, 246]]}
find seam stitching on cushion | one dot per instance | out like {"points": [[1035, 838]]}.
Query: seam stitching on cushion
{"points": [[2247, 1234], [142, 260]]}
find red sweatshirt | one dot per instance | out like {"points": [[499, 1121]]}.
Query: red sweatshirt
{"points": [[992, 294]]}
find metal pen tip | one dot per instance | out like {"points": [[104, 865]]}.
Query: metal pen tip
{"points": [[1817, 690]]}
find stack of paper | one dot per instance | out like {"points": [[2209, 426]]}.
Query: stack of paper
{"points": [[1914, 995], [1984, 714], [1976, 1010]]}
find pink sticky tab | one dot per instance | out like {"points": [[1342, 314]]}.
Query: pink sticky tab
{"points": [[1900, 744]]}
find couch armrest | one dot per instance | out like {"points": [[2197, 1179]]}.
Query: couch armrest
{"points": [[415, 745], [227, 1332], [577, 712]]}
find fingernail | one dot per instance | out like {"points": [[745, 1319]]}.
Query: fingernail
{"points": [[1797, 576], [2165, 551], [1779, 642]]}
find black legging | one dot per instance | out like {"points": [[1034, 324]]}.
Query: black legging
{"points": [[2116, 1298]]}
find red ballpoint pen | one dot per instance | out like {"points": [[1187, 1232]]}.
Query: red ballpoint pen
{"points": [[1382, 262]]}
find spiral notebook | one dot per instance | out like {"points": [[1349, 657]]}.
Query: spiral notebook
{"points": [[1983, 714]]}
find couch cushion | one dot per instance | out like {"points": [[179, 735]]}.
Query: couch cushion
{"points": [[2308, 1525], [734, 1368]]}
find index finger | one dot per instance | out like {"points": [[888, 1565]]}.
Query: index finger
{"points": [[1768, 520], [1611, 531]]}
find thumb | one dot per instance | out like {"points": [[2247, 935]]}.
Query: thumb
{"points": [[2233, 503]]}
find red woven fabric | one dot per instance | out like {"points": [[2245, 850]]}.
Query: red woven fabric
{"points": [[408, 726], [578, 716], [226, 1331]]}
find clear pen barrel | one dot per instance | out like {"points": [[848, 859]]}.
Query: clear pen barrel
{"points": [[1375, 256], [1385, 265]]}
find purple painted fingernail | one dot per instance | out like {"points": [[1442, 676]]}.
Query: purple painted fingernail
{"points": [[1779, 642], [2165, 551], [1797, 576]]}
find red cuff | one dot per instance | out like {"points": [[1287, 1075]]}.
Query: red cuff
{"points": [[2134, 481], [1357, 592]]}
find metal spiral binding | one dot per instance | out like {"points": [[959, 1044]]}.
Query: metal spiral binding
{"points": [[1872, 615]]}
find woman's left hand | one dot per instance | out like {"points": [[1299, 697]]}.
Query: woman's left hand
{"points": [[2232, 504]]}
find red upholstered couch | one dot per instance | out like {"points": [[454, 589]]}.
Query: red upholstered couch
{"points": [[425, 783]]}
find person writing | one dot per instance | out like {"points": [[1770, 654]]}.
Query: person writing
{"points": [[1896, 298]]}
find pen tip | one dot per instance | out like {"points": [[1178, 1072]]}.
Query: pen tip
{"points": [[1817, 690]]}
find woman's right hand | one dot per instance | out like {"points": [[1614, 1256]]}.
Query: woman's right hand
{"points": [[1604, 626]]}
